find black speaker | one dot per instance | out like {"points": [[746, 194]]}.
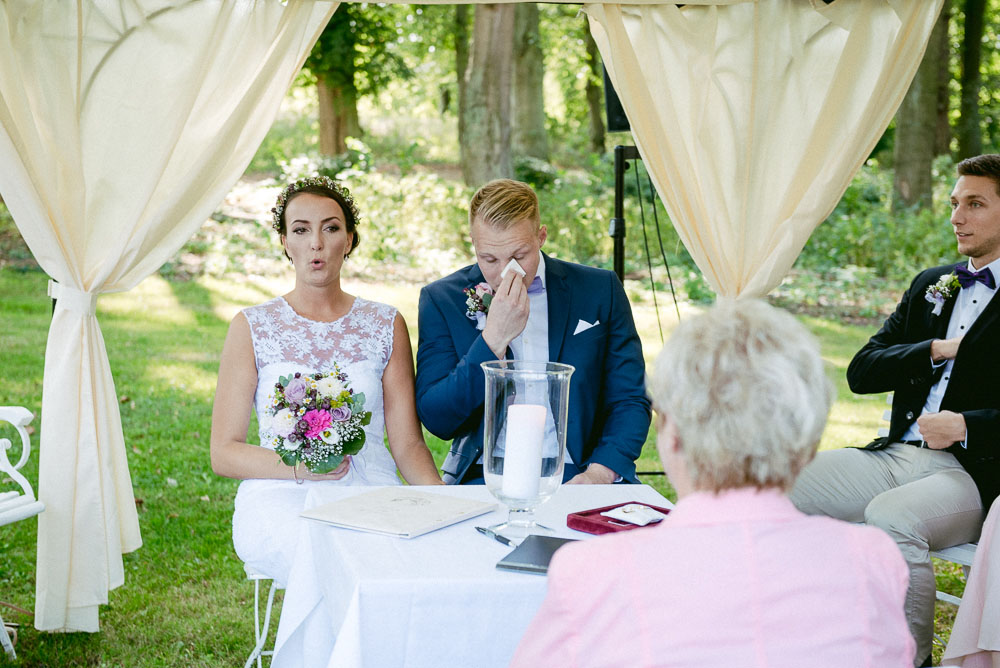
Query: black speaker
{"points": [[617, 120]]}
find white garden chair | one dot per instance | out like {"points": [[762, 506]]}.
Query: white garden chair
{"points": [[260, 630], [15, 505]]}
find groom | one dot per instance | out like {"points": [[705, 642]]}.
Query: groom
{"points": [[558, 312], [926, 484]]}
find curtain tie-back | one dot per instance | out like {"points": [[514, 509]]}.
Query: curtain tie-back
{"points": [[71, 299]]}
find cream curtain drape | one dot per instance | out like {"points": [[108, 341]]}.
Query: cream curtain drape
{"points": [[753, 118], [123, 125]]}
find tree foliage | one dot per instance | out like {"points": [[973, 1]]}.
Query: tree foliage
{"points": [[354, 50]]}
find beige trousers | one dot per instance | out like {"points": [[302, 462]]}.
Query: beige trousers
{"points": [[922, 498]]}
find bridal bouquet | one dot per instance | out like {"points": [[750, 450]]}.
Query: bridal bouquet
{"points": [[317, 419]]}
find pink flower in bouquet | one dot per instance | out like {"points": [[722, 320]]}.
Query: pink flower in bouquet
{"points": [[341, 414], [295, 391], [318, 421]]}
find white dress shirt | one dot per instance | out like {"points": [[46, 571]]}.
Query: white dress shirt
{"points": [[969, 303], [532, 344]]}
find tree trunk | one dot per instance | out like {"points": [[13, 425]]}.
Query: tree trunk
{"points": [[462, 71], [595, 81], [942, 130], [338, 117], [486, 131], [916, 128], [530, 137], [970, 139]]}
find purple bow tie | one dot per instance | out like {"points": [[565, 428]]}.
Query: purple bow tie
{"points": [[536, 287], [968, 278]]}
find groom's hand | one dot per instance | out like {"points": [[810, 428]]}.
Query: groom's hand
{"points": [[508, 314], [596, 474]]}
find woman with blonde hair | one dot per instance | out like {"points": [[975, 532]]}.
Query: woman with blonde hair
{"points": [[735, 575]]}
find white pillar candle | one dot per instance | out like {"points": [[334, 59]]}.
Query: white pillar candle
{"points": [[522, 466]]}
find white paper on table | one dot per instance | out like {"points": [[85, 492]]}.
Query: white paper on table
{"points": [[397, 511]]}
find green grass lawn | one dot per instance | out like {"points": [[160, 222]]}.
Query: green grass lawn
{"points": [[185, 601]]}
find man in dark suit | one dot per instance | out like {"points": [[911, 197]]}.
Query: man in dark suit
{"points": [[558, 311], [927, 482]]}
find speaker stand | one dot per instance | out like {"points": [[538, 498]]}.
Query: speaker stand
{"points": [[617, 228]]}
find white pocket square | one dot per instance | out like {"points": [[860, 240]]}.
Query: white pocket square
{"points": [[583, 326]]}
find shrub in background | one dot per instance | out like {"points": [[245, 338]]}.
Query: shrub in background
{"points": [[863, 230], [535, 172]]}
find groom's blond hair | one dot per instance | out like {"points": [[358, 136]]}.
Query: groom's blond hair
{"points": [[503, 203]]}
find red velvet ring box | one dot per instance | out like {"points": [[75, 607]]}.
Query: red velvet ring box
{"points": [[591, 521]]}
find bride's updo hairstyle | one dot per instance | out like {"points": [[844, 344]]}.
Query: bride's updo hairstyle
{"points": [[323, 186]]}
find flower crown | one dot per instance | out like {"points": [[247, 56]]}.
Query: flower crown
{"points": [[323, 181]]}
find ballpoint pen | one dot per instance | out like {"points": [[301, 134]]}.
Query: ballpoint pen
{"points": [[495, 536]]}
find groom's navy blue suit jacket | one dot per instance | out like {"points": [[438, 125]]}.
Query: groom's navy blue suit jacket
{"points": [[898, 359], [609, 411]]}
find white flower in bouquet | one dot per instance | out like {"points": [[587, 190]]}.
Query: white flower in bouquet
{"points": [[283, 423], [330, 437], [329, 386]]}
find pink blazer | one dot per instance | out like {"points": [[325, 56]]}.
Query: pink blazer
{"points": [[736, 579]]}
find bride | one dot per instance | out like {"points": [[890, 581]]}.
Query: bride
{"points": [[310, 330]]}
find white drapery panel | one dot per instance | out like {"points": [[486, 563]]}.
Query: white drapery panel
{"points": [[124, 124], [753, 118]]}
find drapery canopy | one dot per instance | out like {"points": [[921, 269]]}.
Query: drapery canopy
{"points": [[752, 119], [123, 127], [124, 122]]}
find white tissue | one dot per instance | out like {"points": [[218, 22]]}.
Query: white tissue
{"points": [[512, 266], [634, 513]]}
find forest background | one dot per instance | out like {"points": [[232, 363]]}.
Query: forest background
{"points": [[414, 107]]}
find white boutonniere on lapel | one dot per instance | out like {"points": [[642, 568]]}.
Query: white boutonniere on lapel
{"points": [[946, 288], [477, 303]]}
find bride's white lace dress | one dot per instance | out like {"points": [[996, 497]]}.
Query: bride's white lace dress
{"points": [[265, 521]]}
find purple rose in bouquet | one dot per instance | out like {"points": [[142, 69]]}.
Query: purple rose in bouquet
{"points": [[341, 414], [295, 391]]}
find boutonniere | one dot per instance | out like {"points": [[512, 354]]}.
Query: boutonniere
{"points": [[477, 303], [942, 291]]}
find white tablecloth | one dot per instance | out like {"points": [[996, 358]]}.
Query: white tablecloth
{"points": [[364, 600]]}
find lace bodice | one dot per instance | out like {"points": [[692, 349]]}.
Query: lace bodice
{"points": [[360, 343], [280, 335]]}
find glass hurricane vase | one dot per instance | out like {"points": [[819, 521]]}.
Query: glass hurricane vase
{"points": [[524, 437]]}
